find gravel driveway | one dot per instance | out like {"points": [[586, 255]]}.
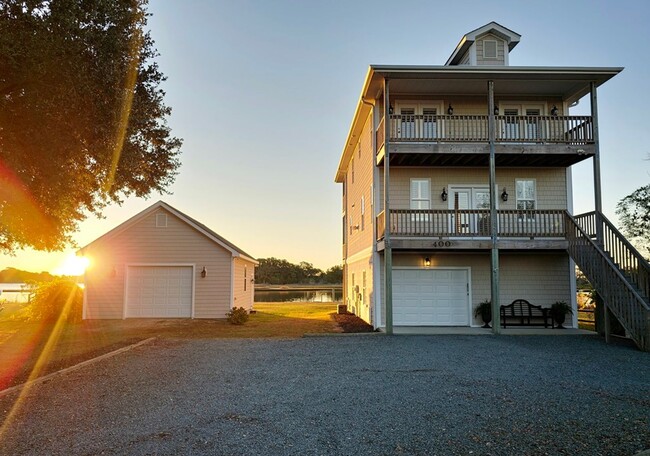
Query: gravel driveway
{"points": [[444, 395]]}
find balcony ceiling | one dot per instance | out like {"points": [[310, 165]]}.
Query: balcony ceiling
{"points": [[569, 84]]}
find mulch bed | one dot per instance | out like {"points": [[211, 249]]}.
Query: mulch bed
{"points": [[350, 323]]}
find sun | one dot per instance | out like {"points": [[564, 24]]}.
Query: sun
{"points": [[72, 265]]}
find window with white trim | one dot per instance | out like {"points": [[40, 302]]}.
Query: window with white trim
{"points": [[420, 193], [363, 212], [245, 278], [526, 194], [489, 49]]}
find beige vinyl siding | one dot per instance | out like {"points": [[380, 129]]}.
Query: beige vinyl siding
{"points": [[540, 278], [501, 46], [362, 308], [244, 295], [144, 243], [362, 238], [551, 184]]}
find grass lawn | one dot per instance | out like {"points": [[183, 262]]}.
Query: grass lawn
{"points": [[23, 344]]}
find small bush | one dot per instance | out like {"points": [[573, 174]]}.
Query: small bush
{"points": [[50, 300], [237, 316]]}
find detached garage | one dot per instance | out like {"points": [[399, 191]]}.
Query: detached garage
{"points": [[162, 263]]}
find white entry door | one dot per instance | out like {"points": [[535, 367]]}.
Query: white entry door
{"points": [[159, 292], [431, 297]]}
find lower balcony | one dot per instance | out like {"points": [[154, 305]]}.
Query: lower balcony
{"points": [[471, 229]]}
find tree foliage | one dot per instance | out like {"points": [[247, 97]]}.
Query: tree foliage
{"points": [[82, 118], [634, 216], [275, 271]]}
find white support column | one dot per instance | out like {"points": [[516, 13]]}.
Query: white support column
{"points": [[494, 256], [388, 253]]}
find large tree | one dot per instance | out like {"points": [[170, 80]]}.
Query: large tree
{"points": [[634, 216], [82, 117]]}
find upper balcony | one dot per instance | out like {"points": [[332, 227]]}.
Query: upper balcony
{"points": [[462, 140], [471, 229]]}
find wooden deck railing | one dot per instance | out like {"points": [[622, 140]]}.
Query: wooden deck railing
{"points": [[380, 134], [472, 223], [622, 298], [474, 128], [622, 253]]}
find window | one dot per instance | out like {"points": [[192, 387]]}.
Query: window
{"points": [[352, 166], [420, 193], [407, 129], [363, 212], [363, 290], [526, 194], [429, 123], [245, 278], [161, 220], [489, 49], [359, 150], [532, 131]]}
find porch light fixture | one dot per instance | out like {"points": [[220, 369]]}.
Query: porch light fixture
{"points": [[554, 111], [113, 272], [427, 262], [496, 110], [450, 110], [504, 195], [443, 195], [204, 272], [390, 109]]}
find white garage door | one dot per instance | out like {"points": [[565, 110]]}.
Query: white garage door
{"points": [[430, 297], [159, 292]]}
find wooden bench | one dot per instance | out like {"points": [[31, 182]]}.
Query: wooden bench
{"points": [[522, 313]]}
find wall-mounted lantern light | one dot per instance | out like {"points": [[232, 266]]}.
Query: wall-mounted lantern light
{"points": [[390, 109], [504, 195], [450, 110], [204, 272], [554, 111], [443, 195], [113, 272], [496, 110], [427, 262]]}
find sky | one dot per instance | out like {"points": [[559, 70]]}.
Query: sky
{"points": [[263, 93]]}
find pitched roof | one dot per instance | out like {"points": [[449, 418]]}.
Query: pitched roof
{"points": [[512, 39], [200, 227]]}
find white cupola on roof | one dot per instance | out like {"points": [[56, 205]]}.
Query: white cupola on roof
{"points": [[487, 45]]}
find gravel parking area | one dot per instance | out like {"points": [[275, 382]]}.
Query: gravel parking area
{"points": [[404, 395]]}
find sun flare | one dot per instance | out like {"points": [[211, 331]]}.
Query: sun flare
{"points": [[72, 265]]}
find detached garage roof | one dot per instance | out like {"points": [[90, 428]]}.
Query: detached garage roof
{"points": [[200, 227]]}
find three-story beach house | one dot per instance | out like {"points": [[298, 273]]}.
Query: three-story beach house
{"points": [[457, 189]]}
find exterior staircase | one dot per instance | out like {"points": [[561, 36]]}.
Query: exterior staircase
{"points": [[617, 271]]}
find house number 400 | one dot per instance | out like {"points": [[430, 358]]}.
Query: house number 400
{"points": [[442, 244]]}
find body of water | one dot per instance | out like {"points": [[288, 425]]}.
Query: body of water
{"points": [[12, 292], [324, 295]]}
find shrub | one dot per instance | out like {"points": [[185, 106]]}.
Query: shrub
{"points": [[237, 316], [50, 300]]}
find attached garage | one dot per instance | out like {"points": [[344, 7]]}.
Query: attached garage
{"points": [[161, 263], [431, 297], [159, 291]]}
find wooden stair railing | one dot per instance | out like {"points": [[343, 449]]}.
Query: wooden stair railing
{"points": [[618, 288]]}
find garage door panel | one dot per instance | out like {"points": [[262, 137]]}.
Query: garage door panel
{"points": [[430, 297], [159, 292]]}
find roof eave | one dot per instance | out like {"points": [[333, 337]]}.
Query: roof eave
{"points": [[362, 107]]}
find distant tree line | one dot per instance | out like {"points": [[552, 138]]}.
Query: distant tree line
{"points": [[274, 271], [13, 275]]}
